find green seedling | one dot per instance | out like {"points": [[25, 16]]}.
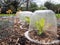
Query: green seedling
{"points": [[27, 19], [58, 16], [40, 25]]}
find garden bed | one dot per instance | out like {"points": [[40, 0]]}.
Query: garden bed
{"points": [[14, 40], [16, 36]]}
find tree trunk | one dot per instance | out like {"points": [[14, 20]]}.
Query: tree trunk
{"points": [[27, 5]]}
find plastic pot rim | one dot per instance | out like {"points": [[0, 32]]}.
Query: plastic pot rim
{"points": [[38, 42]]}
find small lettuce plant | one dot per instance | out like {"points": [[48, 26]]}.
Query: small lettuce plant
{"points": [[27, 19], [40, 25]]}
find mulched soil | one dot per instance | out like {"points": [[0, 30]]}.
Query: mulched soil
{"points": [[16, 36], [45, 37], [58, 32]]}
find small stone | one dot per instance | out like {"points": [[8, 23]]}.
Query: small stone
{"points": [[3, 43], [35, 37]]}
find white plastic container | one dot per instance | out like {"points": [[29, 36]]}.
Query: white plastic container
{"points": [[24, 17], [48, 22], [48, 16], [6, 25], [24, 14]]}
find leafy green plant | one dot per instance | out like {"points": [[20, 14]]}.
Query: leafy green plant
{"points": [[39, 25], [57, 16], [27, 19]]}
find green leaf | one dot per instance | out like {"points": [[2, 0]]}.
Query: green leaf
{"points": [[42, 22], [39, 25], [27, 19]]}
